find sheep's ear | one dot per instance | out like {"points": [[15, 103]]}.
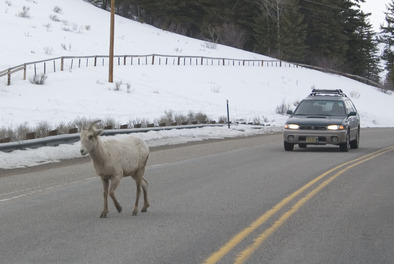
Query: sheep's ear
{"points": [[97, 132]]}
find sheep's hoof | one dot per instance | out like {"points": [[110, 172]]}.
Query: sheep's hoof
{"points": [[143, 210], [103, 215], [119, 209], [135, 212]]}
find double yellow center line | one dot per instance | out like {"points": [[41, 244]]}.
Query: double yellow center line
{"points": [[325, 178]]}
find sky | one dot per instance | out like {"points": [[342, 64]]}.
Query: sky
{"points": [[377, 9], [146, 92]]}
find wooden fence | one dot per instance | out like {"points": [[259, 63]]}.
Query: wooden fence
{"points": [[72, 62]]}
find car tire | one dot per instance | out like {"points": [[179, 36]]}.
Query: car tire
{"points": [[288, 146], [355, 143], [344, 147]]}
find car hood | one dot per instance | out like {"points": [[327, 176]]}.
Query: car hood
{"points": [[315, 120]]}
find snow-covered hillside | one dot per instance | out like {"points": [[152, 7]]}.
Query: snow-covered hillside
{"points": [[40, 29]]}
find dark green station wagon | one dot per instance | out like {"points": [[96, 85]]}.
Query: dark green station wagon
{"points": [[324, 117]]}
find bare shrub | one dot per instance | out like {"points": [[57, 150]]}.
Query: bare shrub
{"points": [[201, 118], [282, 108], [81, 122], [209, 45], [110, 122], [354, 94], [48, 50], [63, 128], [168, 118], [38, 79], [21, 131], [118, 87], [180, 119], [222, 120], [42, 129], [65, 47], [57, 10], [25, 13], [140, 121], [54, 18], [7, 133]]}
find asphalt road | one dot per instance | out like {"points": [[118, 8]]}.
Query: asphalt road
{"points": [[242, 200]]}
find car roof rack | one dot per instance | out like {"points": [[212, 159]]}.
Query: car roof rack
{"points": [[327, 92]]}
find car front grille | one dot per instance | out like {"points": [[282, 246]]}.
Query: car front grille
{"points": [[313, 127]]}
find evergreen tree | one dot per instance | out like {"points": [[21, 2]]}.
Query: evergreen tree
{"points": [[326, 38], [268, 27], [361, 56], [265, 35], [293, 33], [328, 33], [387, 38]]}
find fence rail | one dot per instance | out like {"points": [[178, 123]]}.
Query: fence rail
{"points": [[72, 62]]}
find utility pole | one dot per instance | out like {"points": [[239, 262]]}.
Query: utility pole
{"points": [[111, 43]]}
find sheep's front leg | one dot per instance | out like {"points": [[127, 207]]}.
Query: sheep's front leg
{"points": [[114, 184], [105, 187]]}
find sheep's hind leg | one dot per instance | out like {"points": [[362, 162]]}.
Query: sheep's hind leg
{"points": [[145, 191], [114, 184], [138, 183], [105, 187]]}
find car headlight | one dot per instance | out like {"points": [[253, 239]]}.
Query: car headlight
{"points": [[335, 127], [292, 126]]}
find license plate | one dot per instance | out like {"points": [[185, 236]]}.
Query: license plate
{"points": [[311, 139]]}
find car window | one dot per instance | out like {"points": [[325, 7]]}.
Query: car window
{"points": [[321, 107], [350, 107]]}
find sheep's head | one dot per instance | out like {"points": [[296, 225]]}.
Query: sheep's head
{"points": [[89, 138]]}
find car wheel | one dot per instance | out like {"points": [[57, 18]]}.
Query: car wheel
{"points": [[344, 147], [288, 146], [355, 143]]}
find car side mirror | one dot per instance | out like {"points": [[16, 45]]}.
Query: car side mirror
{"points": [[289, 112], [352, 114]]}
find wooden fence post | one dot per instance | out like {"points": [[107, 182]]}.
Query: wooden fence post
{"points": [[24, 72], [9, 77], [153, 59], [61, 63], [30, 135]]}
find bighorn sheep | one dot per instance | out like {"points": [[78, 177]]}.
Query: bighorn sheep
{"points": [[113, 159]]}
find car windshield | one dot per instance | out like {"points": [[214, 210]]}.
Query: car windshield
{"points": [[321, 108]]}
